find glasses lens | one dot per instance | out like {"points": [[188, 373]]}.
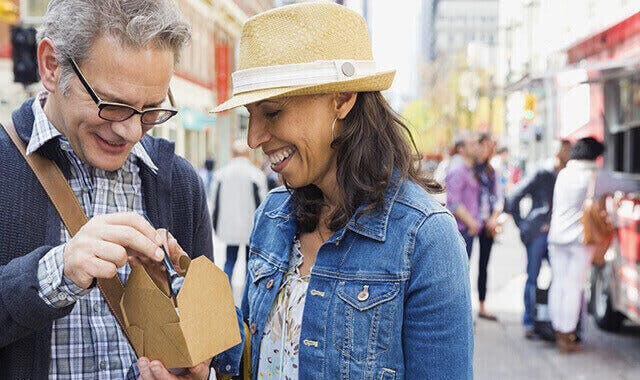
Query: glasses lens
{"points": [[156, 116], [116, 112]]}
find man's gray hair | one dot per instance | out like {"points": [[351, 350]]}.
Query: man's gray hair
{"points": [[74, 25]]}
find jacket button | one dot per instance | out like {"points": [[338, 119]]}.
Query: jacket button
{"points": [[270, 284], [364, 294], [254, 329]]}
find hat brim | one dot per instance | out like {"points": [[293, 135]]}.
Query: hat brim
{"points": [[376, 82]]}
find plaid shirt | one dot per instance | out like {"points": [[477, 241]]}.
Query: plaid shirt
{"points": [[88, 343]]}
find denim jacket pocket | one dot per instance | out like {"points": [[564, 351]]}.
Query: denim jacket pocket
{"points": [[364, 317]]}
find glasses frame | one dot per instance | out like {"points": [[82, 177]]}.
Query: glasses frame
{"points": [[134, 111]]}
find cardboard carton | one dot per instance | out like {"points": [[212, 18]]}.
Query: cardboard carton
{"points": [[203, 324]]}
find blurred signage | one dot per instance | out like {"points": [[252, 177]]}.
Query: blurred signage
{"points": [[530, 106], [222, 69], [9, 12], [195, 120]]}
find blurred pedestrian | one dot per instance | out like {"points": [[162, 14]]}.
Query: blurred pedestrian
{"points": [[355, 262], [534, 227], [451, 160], [502, 168], [463, 188], [106, 68], [570, 258], [206, 173], [239, 188], [489, 209]]}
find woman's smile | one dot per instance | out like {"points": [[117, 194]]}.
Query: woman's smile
{"points": [[279, 158]]}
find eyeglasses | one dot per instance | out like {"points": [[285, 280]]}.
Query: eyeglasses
{"points": [[117, 112]]}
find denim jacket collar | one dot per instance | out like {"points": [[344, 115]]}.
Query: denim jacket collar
{"points": [[372, 224]]}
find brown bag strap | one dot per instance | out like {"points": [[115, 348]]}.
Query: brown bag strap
{"points": [[70, 211]]}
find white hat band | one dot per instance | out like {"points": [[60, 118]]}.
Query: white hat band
{"points": [[300, 74]]}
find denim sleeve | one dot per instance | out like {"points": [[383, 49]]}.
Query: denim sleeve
{"points": [[438, 325], [55, 289], [228, 362]]}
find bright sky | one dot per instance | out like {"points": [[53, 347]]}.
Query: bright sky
{"points": [[395, 30]]}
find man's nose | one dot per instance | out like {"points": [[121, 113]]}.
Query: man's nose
{"points": [[257, 135], [129, 130]]}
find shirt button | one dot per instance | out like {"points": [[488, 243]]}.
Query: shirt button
{"points": [[228, 367], [103, 365], [270, 284], [96, 307], [65, 145], [253, 329], [62, 296]]}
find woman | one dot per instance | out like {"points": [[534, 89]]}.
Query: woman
{"points": [[355, 270], [489, 210], [569, 257]]}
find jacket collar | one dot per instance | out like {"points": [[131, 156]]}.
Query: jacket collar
{"points": [[372, 224]]}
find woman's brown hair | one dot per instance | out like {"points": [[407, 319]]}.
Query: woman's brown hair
{"points": [[373, 142]]}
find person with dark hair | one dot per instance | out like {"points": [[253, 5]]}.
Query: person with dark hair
{"points": [[489, 208], [534, 227], [569, 257], [355, 270]]}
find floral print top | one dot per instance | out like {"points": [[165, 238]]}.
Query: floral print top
{"points": [[281, 339]]}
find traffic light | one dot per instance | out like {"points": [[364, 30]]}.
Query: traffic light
{"points": [[24, 47], [529, 106], [8, 12]]}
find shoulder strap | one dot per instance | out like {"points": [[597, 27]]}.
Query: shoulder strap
{"points": [[71, 213]]}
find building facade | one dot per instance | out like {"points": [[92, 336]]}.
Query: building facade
{"points": [[201, 81]]}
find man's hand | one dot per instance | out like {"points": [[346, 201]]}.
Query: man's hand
{"points": [[105, 243], [156, 371], [156, 270]]}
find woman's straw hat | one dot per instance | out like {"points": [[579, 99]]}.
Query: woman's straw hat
{"points": [[309, 48]]}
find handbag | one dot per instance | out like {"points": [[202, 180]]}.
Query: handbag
{"points": [[598, 229]]}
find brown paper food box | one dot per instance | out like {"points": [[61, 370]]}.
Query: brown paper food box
{"points": [[204, 326]]}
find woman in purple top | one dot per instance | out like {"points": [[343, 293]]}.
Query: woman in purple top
{"points": [[471, 197]]}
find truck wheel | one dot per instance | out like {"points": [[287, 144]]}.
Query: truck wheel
{"points": [[606, 317]]}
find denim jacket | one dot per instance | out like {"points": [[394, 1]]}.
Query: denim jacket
{"points": [[388, 297]]}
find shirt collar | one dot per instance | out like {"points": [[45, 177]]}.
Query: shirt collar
{"points": [[44, 131]]}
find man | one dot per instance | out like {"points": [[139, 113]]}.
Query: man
{"points": [[55, 324], [239, 188], [534, 227]]}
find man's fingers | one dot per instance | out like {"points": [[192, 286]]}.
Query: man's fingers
{"points": [[160, 372], [111, 252], [131, 219], [145, 370], [129, 237], [98, 268], [201, 371]]}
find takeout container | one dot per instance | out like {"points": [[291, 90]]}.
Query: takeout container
{"points": [[202, 325]]}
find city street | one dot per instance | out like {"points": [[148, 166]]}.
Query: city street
{"points": [[501, 352]]}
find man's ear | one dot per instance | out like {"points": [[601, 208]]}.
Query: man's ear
{"points": [[48, 65], [343, 103]]}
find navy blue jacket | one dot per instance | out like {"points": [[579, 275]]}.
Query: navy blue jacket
{"points": [[540, 187], [29, 227]]}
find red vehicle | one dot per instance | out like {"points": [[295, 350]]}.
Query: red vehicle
{"points": [[614, 116], [615, 286]]}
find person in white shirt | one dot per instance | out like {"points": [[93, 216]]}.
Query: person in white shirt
{"points": [[238, 188], [569, 257]]}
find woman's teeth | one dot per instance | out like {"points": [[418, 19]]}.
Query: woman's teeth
{"points": [[278, 157]]}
